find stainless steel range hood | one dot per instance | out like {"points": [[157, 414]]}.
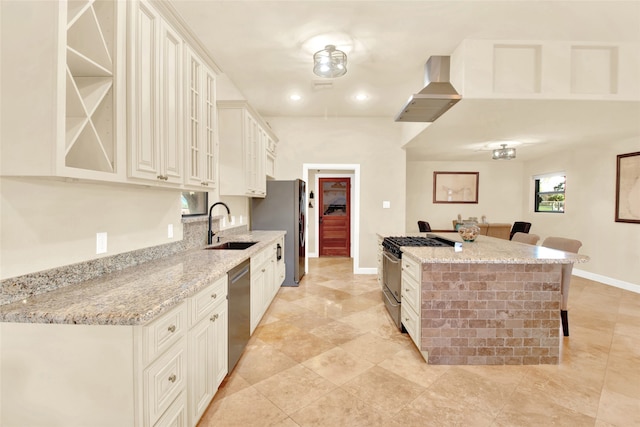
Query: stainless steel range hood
{"points": [[437, 96]]}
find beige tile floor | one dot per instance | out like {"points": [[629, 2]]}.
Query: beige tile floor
{"points": [[327, 354]]}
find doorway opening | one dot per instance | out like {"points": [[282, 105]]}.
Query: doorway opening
{"points": [[334, 216], [311, 173]]}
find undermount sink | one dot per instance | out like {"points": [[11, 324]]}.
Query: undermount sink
{"points": [[232, 246]]}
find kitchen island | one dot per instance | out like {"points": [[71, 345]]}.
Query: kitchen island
{"points": [[144, 346], [488, 302]]}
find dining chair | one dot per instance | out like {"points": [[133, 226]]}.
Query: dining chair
{"points": [[520, 227], [424, 226], [567, 245], [529, 239]]}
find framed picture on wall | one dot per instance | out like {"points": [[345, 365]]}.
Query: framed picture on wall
{"points": [[628, 188], [455, 187]]}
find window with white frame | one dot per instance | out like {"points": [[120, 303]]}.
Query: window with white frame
{"points": [[549, 193]]}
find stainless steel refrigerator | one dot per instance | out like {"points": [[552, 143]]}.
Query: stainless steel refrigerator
{"points": [[284, 208]]}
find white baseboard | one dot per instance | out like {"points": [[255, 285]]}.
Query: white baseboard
{"points": [[607, 280]]}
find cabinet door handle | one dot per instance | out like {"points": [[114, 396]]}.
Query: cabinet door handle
{"points": [[172, 328], [172, 378], [214, 296], [264, 269], [214, 317]]}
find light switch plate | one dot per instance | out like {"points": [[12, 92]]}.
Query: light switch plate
{"points": [[101, 243], [170, 231], [386, 204]]}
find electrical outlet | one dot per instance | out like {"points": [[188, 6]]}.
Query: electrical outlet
{"points": [[170, 231], [101, 243], [386, 204]]}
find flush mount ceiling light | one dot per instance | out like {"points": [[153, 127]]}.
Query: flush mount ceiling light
{"points": [[504, 153], [330, 62]]}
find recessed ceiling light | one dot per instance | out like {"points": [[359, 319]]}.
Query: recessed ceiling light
{"points": [[362, 97], [295, 97]]}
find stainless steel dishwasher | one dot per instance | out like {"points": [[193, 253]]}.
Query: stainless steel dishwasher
{"points": [[239, 311]]}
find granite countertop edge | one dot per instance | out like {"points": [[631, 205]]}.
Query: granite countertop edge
{"points": [[136, 295], [489, 250]]}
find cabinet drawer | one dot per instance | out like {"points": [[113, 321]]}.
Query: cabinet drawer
{"points": [[164, 380], [202, 304], [258, 259], [411, 322], [410, 293], [411, 268], [176, 415], [160, 334]]}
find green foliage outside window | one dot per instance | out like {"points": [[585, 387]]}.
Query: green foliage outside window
{"points": [[549, 194]]}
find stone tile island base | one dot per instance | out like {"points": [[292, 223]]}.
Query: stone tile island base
{"points": [[490, 314]]}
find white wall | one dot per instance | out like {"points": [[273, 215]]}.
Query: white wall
{"points": [[506, 195], [614, 247], [373, 143], [47, 223], [500, 195]]}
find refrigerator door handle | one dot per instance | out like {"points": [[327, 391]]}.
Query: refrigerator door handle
{"points": [[279, 252]]}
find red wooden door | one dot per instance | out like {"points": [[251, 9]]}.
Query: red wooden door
{"points": [[335, 216]]}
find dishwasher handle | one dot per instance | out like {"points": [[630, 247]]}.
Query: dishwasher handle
{"points": [[238, 275]]}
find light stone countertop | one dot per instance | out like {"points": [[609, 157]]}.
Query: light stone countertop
{"points": [[136, 295], [491, 250]]}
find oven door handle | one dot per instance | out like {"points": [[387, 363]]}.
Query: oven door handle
{"points": [[390, 258], [393, 302]]}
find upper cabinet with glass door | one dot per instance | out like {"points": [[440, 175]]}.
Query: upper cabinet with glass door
{"points": [[201, 124], [62, 79]]}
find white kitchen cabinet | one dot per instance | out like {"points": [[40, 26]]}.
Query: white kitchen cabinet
{"points": [[243, 137], [62, 78], [164, 373], [97, 375], [270, 278], [270, 165], [257, 293], [207, 345], [155, 97], [201, 124], [176, 414], [163, 381], [263, 279], [411, 298]]}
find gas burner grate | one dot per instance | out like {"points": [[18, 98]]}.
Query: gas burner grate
{"points": [[393, 244]]}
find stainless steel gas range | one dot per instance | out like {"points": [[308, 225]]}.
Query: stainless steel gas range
{"points": [[392, 268]]}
